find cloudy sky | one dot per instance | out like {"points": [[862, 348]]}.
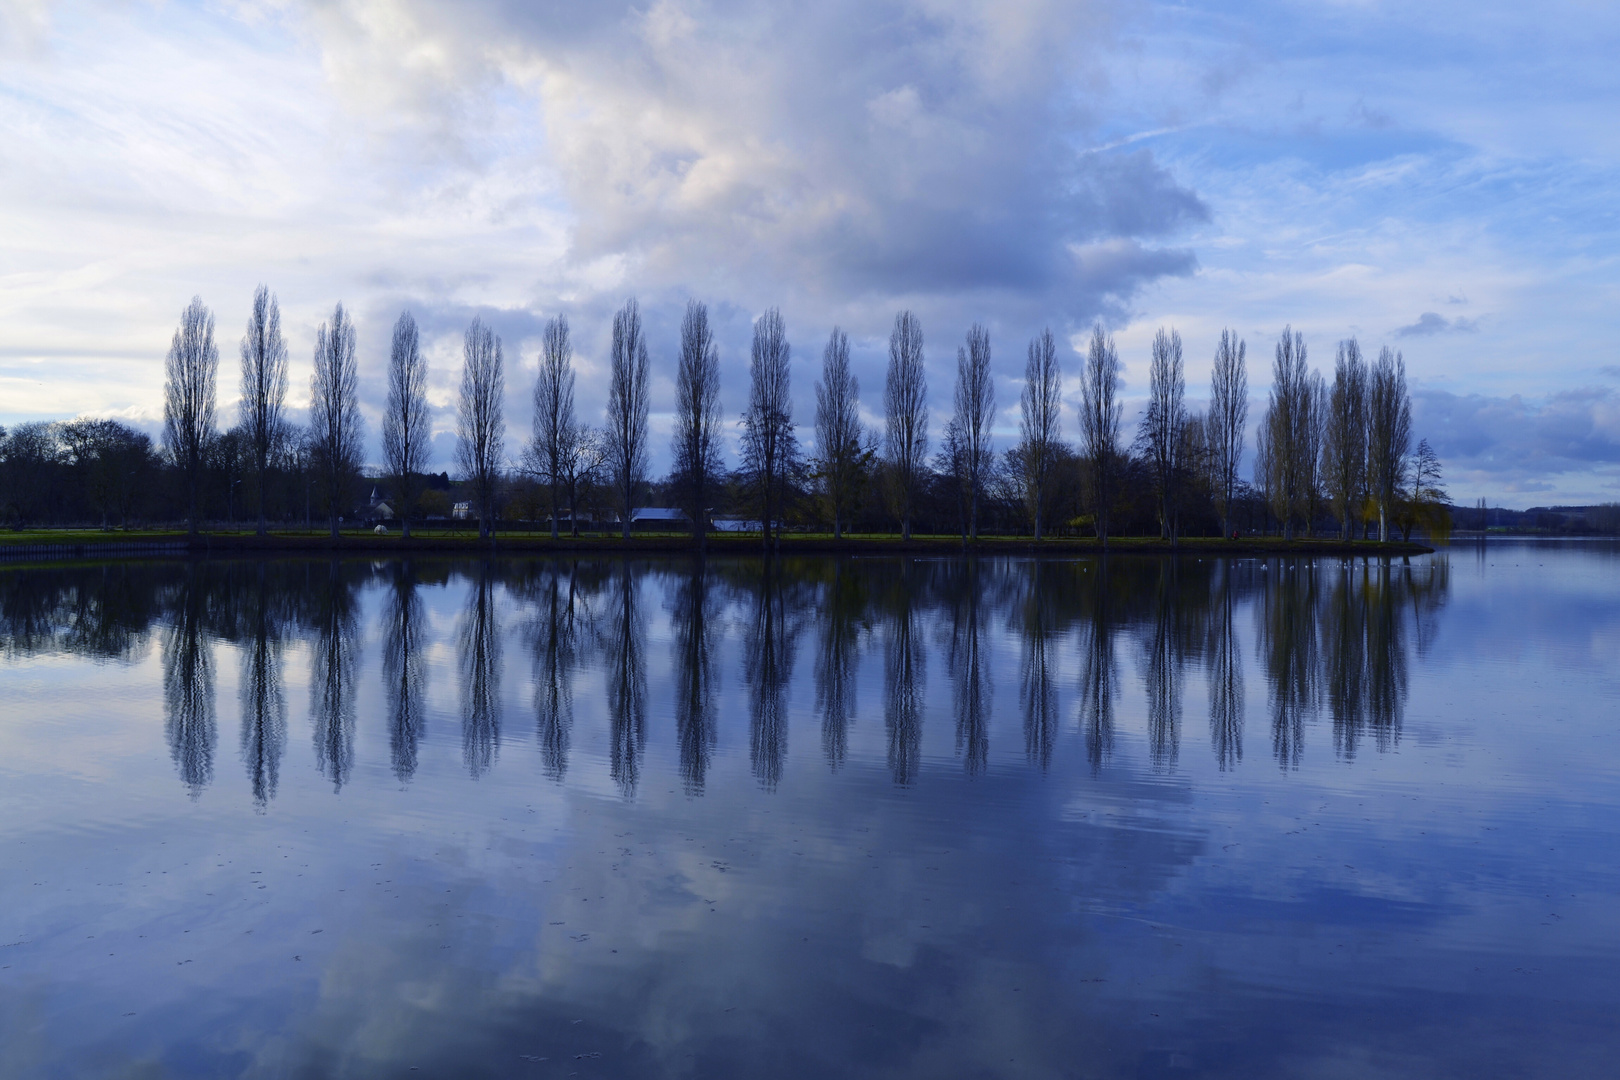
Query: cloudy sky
{"points": [[1435, 177]]}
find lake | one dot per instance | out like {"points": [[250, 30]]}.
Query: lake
{"points": [[871, 817]]}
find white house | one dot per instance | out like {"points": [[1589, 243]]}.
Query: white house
{"points": [[736, 525], [655, 517]]}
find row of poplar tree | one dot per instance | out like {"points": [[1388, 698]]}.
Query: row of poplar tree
{"points": [[1336, 451]]}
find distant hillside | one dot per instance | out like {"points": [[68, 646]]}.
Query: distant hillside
{"points": [[1602, 519]]}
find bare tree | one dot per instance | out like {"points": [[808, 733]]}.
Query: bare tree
{"points": [[770, 450], [405, 424], [1428, 503], [1039, 423], [1196, 460], [556, 431], [30, 460], [264, 387], [626, 435], [229, 458], [1344, 450], [1163, 429], [1389, 434], [975, 409], [698, 463], [584, 470], [1099, 422], [1228, 419], [1313, 437], [951, 464], [110, 459], [905, 400], [1266, 476], [480, 425], [335, 425], [1289, 419], [842, 453], [188, 397]]}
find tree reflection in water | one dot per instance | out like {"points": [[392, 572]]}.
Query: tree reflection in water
{"points": [[1225, 676], [1344, 632], [107, 612], [188, 683], [967, 659], [1386, 671], [1365, 622], [1330, 636], [331, 682], [840, 626], [1289, 647], [1036, 619], [1167, 648], [695, 719], [903, 667], [1098, 674], [404, 675], [624, 645], [769, 664], [480, 662], [554, 631], [264, 704]]}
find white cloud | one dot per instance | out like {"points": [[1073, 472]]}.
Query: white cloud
{"points": [[1351, 170]]}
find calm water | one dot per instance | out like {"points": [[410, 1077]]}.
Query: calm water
{"points": [[897, 818]]}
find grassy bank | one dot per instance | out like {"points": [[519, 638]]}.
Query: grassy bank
{"points": [[85, 543]]}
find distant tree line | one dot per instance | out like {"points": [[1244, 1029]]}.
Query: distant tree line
{"points": [[1329, 457], [1599, 519]]}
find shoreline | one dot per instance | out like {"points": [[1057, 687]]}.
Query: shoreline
{"points": [[517, 545]]}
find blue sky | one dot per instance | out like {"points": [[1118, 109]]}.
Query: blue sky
{"points": [[1435, 177]]}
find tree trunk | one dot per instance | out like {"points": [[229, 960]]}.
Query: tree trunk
{"points": [[973, 513], [554, 511], [838, 526]]}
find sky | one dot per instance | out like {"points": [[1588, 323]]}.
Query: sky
{"points": [[1437, 178]]}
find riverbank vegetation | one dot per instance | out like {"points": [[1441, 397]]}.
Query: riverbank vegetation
{"points": [[1331, 458]]}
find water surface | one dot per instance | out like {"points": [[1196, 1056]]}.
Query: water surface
{"points": [[864, 817]]}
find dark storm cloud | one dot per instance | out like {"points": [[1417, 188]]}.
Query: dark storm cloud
{"points": [[1516, 444], [837, 152]]}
